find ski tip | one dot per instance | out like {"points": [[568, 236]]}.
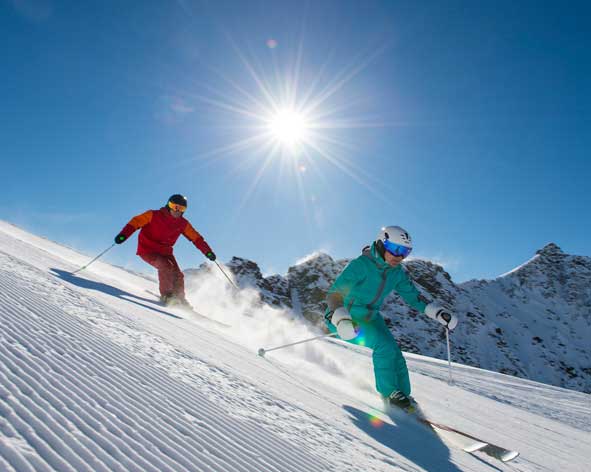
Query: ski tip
{"points": [[497, 452], [509, 456]]}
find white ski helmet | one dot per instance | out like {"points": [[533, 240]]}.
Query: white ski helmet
{"points": [[395, 240]]}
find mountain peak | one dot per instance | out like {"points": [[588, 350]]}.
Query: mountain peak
{"points": [[550, 249], [315, 258]]}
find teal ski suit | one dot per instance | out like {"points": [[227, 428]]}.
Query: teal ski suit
{"points": [[361, 288]]}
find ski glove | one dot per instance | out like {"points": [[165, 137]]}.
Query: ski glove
{"points": [[211, 256], [344, 324], [436, 312], [120, 238]]}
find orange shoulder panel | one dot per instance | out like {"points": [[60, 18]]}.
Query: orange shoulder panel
{"points": [[142, 220], [191, 233]]}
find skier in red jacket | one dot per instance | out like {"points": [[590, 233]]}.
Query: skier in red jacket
{"points": [[160, 230]]}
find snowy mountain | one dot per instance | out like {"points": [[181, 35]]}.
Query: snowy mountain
{"points": [[95, 375], [533, 322]]}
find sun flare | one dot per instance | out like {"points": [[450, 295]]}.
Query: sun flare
{"points": [[290, 122], [288, 127]]}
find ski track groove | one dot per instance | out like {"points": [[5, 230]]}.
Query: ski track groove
{"points": [[69, 386], [5, 466], [81, 419], [40, 339], [10, 455]]}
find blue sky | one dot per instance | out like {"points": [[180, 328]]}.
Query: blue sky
{"points": [[465, 122]]}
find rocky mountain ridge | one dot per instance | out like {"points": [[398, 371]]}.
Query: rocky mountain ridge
{"points": [[533, 322]]}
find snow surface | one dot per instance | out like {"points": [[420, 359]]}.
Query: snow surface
{"points": [[96, 376]]}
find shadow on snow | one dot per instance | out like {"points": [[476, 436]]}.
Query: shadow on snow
{"points": [[409, 439], [110, 290]]}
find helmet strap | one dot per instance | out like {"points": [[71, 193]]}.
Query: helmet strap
{"points": [[381, 250]]}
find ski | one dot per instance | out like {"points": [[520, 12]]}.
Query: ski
{"points": [[492, 450], [475, 444]]}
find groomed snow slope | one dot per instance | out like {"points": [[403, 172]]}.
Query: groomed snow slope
{"points": [[96, 376]]}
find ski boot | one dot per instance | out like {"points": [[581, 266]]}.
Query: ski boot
{"points": [[168, 299], [174, 301], [398, 400]]}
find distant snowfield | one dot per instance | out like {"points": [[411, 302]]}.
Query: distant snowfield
{"points": [[96, 376]]}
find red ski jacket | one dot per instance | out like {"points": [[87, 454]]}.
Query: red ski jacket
{"points": [[160, 231]]}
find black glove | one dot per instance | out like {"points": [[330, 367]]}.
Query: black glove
{"points": [[120, 238], [445, 316], [447, 319], [210, 255]]}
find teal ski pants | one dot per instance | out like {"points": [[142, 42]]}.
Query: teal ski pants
{"points": [[389, 366]]}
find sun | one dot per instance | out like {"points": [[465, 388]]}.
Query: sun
{"points": [[289, 121], [288, 127]]}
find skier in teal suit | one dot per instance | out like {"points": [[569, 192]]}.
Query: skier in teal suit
{"points": [[354, 302]]}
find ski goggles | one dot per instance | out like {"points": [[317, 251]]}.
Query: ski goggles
{"points": [[396, 249], [176, 207]]}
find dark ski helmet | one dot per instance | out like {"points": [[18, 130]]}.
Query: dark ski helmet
{"points": [[177, 202]]}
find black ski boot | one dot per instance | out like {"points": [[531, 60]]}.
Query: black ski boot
{"points": [[399, 400]]}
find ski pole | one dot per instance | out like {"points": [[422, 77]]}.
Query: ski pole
{"points": [[263, 351], [224, 272], [84, 267], [451, 381]]}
